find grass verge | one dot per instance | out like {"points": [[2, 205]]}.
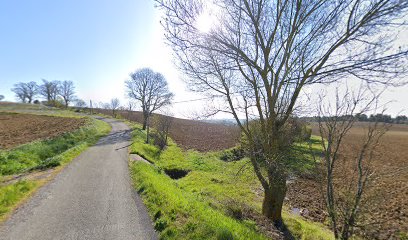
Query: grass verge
{"points": [[12, 195], [213, 199], [179, 215]]}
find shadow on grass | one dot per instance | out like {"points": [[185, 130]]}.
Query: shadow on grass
{"points": [[287, 234], [303, 156]]}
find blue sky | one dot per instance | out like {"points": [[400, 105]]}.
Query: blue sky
{"points": [[96, 44]]}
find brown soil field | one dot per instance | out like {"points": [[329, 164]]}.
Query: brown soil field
{"points": [[387, 195], [17, 129], [191, 134]]}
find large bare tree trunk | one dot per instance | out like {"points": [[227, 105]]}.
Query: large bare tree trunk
{"points": [[147, 127], [274, 196], [145, 118], [273, 202]]}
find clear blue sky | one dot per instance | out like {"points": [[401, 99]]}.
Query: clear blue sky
{"points": [[96, 44]]}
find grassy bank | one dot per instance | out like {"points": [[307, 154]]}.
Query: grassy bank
{"points": [[40, 155], [179, 215], [214, 200]]}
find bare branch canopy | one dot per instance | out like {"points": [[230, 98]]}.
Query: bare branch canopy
{"points": [[258, 56]]}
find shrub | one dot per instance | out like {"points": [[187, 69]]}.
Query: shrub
{"points": [[233, 154], [49, 163], [160, 224], [305, 133]]}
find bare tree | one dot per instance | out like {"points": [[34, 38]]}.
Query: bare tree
{"points": [[49, 90], [114, 105], [259, 55], [162, 124], [25, 91], [31, 91], [19, 91], [347, 175], [1, 97], [80, 103], [151, 90], [67, 91]]}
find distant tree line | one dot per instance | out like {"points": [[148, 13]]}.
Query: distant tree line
{"points": [[379, 117], [54, 93], [382, 118]]}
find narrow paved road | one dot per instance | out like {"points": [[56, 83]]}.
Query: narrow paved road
{"points": [[92, 198]]}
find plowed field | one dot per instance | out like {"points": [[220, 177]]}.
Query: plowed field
{"points": [[191, 134], [387, 196], [17, 129]]}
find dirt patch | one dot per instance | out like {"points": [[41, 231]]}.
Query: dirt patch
{"points": [[17, 129], [388, 195]]}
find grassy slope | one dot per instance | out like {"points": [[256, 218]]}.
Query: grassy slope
{"points": [[201, 205], [40, 155]]}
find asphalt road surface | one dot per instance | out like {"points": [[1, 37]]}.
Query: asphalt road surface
{"points": [[92, 198]]}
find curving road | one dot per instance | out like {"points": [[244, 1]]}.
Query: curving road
{"points": [[92, 198]]}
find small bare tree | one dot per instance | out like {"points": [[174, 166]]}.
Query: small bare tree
{"points": [[162, 124], [1, 97], [114, 105], [346, 175], [25, 92], [67, 91], [150, 89], [258, 55]]}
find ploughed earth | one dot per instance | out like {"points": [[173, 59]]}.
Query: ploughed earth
{"points": [[17, 129], [387, 194]]}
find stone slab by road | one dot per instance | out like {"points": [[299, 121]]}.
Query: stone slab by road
{"points": [[92, 198]]}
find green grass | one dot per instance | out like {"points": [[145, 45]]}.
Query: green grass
{"points": [[178, 215], [403, 235], [306, 230], [300, 159], [11, 195], [44, 154], [214, 187]]}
